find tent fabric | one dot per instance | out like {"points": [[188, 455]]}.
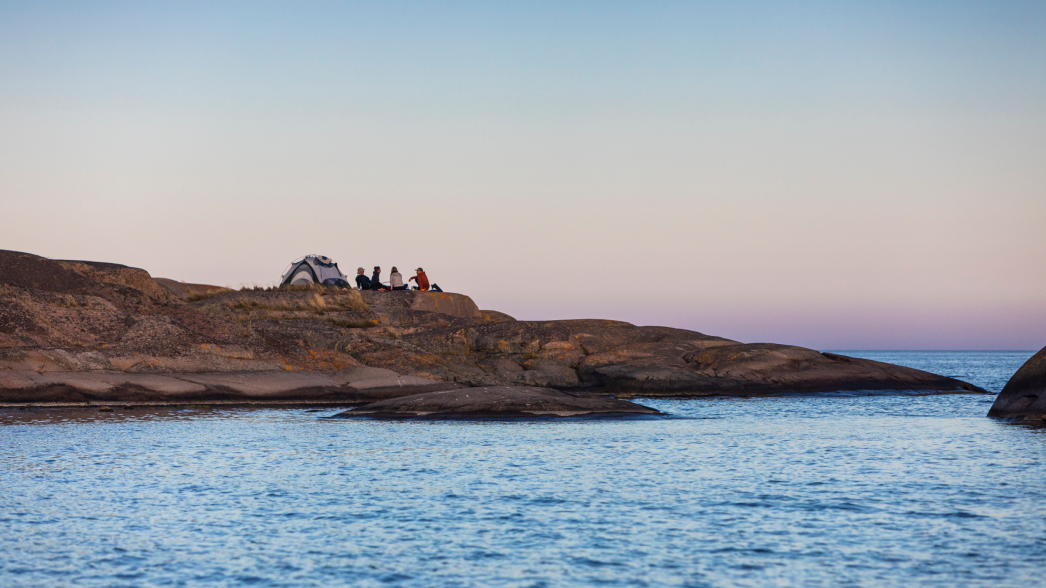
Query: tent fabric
{"points": [[313, 269]]}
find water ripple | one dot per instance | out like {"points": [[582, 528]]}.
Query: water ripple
{"points": [[874, 490]]}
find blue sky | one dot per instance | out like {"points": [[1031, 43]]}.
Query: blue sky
{"points": [[836, 175]]}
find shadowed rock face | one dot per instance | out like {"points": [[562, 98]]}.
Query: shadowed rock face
{"points": [[699, 368], [24, 270], [77, 316], [497, 402], [1024, 396]]}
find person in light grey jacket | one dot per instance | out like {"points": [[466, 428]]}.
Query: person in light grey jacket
{"points": [[396, 280]]}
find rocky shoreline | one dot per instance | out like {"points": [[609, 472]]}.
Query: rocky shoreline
{"points": [[87, 332]]}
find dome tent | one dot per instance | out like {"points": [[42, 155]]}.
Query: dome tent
{"points": [[313, 269]]}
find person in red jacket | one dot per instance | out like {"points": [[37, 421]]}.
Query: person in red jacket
{"points": [[421, 279]]}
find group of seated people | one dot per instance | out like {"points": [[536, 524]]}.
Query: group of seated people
{"points": [[395, 280]]}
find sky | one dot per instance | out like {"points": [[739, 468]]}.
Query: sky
{"points": [[837, 175]]}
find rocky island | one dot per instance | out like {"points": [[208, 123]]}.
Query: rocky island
{"points": [[91, 332]]}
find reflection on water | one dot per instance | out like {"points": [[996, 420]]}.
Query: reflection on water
{"points": [[896, 491]]}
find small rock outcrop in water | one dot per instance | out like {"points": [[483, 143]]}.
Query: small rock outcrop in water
{"points": [[76, 331], [1024, 396], [497, 402]]}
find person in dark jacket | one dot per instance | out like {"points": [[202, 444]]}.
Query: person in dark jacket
{"points": [[375, 280], [421, 279], [362, 281]]}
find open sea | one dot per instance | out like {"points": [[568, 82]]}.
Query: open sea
{"points": [[790, 491]]}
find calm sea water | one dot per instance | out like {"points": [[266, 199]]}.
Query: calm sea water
{"points": [[842, 491]]}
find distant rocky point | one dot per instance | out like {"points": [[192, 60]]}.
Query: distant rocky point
{"points": [[77, 331], [1024, 396]]}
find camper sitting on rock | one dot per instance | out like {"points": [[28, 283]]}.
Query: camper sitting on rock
{"points": [[421, 279], [396, 279], [362, 281]]}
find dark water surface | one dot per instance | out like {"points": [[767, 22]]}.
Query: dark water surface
{"points": [[841, 491]]}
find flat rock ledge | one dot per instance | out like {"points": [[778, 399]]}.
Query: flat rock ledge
{"points": [[362, 384], [1024, 396], [498, 402]]}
